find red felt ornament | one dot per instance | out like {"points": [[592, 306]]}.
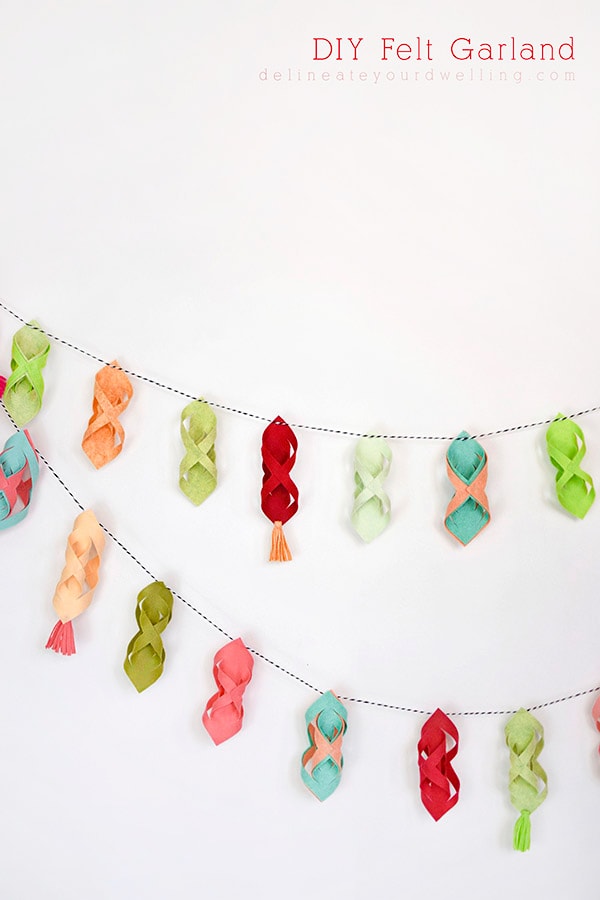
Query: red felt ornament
{"points": [[437, 748], [279, 494]]}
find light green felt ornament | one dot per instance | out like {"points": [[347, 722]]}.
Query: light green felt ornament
{"points": [[566, 449], [371, 510], [527, 781], [25, 386], [198, 469]]}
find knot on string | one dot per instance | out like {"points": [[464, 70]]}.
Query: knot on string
{"points": [[198, 470], [279, 494], [19, 470], [437, 747], [566, 448], [371, 510], [232, 671], [25, 386], [145, 658], [468, 512], [78, 581], [104, 436], [527, 781], [322, 762]]}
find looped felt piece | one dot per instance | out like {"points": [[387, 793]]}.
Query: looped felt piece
{"points": [[322, 762], [19, 470], [468, 512], [527, 782], [25, 386], [371, 510], [198, 470], [232, 671], [279, 494], [145, 659], [104, 436], [566, 449], [78, 580], [437, 748]]}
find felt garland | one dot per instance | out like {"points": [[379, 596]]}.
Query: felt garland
{"points": [[78, 580], [25, 386], [468, 512], [437, 747], [322, 762], [232, 671], [525, 740], [198, 470], [371, 510], [566, 448], [145, 658], [19, 469], [104, 437], [279, 494]]}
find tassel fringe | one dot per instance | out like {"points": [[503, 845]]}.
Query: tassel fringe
{"points": [[62, 639], [280, 552], [522, 832]]}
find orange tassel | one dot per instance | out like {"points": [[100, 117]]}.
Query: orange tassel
{"points": [[280, 552]]}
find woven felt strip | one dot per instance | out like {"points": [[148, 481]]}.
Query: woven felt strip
{"points": [[436, 749], [279, 494], [322, 762], [104, 436], [232, 671], [198, 470], [145, 658], [19, 470], [566, 448], [528, 783], [371, 511], [468, 512], [78, 580], [25, 386]]}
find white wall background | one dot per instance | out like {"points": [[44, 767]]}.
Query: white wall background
{"points": [[416, 257]]}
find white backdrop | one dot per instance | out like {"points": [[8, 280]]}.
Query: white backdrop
{"points": [[418, 256]]}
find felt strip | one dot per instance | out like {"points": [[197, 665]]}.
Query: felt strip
{"points": [[322, 763], [371, 511], [527, 781], [25, 386], [198, 470], [145, 658], [566, 448], [279, 494], [468, 512], [596, 715], [2, 386], [232, 671], [19, 470], [436, 749], [78, 581], [104, 436]]}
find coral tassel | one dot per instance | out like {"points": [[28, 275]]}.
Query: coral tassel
{"points": [[280, 552], [62, 639]]}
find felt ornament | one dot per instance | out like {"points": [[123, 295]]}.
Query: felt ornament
{"points": [[25, 386], [596, 716], [528, 783], [322, 762], [436, 749], [279, 494], [232, 671], [78, 581], [145, 658], [371, 511], [104, 436], [198, 470], [19, 469], [468, 512], [566, 449]]}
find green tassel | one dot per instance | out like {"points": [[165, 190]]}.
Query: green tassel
{"points": [[522, 832]]}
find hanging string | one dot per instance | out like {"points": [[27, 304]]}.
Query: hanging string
{"points": [[293, 675], [320, 428]]}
